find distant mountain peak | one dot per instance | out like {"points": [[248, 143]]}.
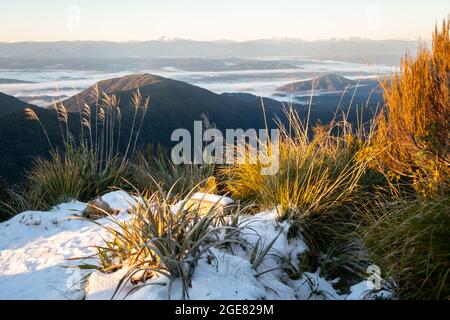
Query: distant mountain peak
{"points": [[128, 82], [328, 82], [168, 39], [114, 86]]}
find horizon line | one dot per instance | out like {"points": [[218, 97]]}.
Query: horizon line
{"points": [[168, 40]]}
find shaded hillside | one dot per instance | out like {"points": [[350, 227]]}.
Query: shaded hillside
{"points": [[176, 104], [10, 104], [21, 140]]}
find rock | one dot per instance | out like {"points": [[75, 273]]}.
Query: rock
{"points": [[205, 203], [97, 209], [120, 200]]}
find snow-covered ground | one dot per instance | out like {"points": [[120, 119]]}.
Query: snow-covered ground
{"points": [[36, 248]]}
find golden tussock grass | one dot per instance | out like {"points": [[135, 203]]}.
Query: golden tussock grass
{"points": [[414, 131]]}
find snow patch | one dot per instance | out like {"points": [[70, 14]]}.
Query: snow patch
{"points": [[35, 248], [34, 251], [364, 291]]}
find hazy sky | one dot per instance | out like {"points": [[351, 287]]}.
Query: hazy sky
{"points": [[50, 20]]}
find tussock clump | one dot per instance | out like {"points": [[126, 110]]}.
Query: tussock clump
{"points": [[413, 134], [90, 162], [315, 174], [407, 232], [317, 187], [409, 240], [74, 175], [6, 196]]}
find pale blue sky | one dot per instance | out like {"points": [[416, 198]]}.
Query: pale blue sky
{"points": [[50, 20]]}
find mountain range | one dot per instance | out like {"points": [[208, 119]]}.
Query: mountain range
{"points": [[351, 50]]}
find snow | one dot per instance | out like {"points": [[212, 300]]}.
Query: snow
{"points": [[313, 287], [229, 278], [363, 291], [264, 226], [33, 248], [37, 248]]}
